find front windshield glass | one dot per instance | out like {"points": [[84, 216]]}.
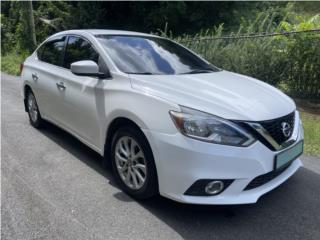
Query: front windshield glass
{"points": [[152, 55]]}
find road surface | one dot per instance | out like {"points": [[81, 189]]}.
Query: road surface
{"points": [[54, 187]]}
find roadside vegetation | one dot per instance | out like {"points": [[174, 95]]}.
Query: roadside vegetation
{"points": [[311, 125], [11, 63]]}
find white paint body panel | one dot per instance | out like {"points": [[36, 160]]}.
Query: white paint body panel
{"points": [[87, 106], [83, 67], [182, 161], [225, 94]]}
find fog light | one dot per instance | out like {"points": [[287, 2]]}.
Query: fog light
{"points": [[214, 187], [208, 187]]}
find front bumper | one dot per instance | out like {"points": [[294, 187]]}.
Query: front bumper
{"points": [[181, 161]]}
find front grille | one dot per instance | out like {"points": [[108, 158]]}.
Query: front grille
{"points": [[274, 128], [263, 179]]}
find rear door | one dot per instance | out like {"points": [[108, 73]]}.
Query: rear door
{"points": [[46, 74]]}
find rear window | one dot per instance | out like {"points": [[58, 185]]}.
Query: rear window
{"points": [[51, 52]]}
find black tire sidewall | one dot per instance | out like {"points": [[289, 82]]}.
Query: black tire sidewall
{"points": [[150, 187], [36, 123]]}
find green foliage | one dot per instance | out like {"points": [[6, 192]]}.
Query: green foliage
{"points": [[54, 16], [6, 34], [11, 63], [9, 23], [303, 74], [311, 125], [291, 62]]}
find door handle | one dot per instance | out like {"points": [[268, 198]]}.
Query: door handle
{"points": [[35, 76], [61, 86]]}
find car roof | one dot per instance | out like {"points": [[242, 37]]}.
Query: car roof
{"points": [[103, 32]]}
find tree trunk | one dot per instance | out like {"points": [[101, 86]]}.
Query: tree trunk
{"points": [[30, 21]]}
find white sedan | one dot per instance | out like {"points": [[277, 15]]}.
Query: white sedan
{"points": [[168, 121]]}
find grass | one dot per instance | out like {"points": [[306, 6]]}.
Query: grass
{"points": [[311, 125], [10, 63]]}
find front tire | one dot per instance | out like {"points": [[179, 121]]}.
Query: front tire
{"points": [[133, 164], [33, 110]]}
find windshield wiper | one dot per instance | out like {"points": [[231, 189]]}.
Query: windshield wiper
{"points": [[142, 73], [194, 71]]}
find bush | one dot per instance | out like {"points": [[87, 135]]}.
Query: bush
{"points": [[303, 50], [11, 63]]}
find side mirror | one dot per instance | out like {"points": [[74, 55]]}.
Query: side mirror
{"points": [[87, 68]]}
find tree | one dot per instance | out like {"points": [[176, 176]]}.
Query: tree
{"points": [[30, 23], [25, 31]]}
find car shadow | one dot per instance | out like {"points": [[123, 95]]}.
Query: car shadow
{"points": [[291, 211]]}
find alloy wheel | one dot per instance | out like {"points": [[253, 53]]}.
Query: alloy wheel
{"points": [[33, 108], [130, 162]]}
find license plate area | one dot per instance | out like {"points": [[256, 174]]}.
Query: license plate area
{"points": [[287, 156]]}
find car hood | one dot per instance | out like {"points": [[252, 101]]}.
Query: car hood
{"points": [[225, 94]]}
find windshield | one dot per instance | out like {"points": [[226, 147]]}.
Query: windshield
{"points": [[152, 55]]}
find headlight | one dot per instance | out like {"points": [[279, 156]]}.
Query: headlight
{"points": [[209, 128]]}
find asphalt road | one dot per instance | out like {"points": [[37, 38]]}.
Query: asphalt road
{"points": [[54, 187]]}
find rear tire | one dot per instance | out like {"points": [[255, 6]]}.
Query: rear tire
{"points": [[133, 164], [33, 110]]}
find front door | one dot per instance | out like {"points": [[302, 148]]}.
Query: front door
{"points": [[83, 97]]}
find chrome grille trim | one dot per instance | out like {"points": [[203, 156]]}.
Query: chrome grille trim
{"points": [[264, 133]]}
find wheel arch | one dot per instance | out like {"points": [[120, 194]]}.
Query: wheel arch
{"points": [[116, 124]]}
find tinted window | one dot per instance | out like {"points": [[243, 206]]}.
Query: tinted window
{"points": [[51, 52], [40, 51], [79, 49], [152, 55]]}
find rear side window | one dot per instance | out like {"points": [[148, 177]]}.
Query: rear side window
{"points": [[51, 52], [78, 49]]}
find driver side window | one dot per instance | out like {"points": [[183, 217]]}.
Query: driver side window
{"points": [[78, 49]]}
